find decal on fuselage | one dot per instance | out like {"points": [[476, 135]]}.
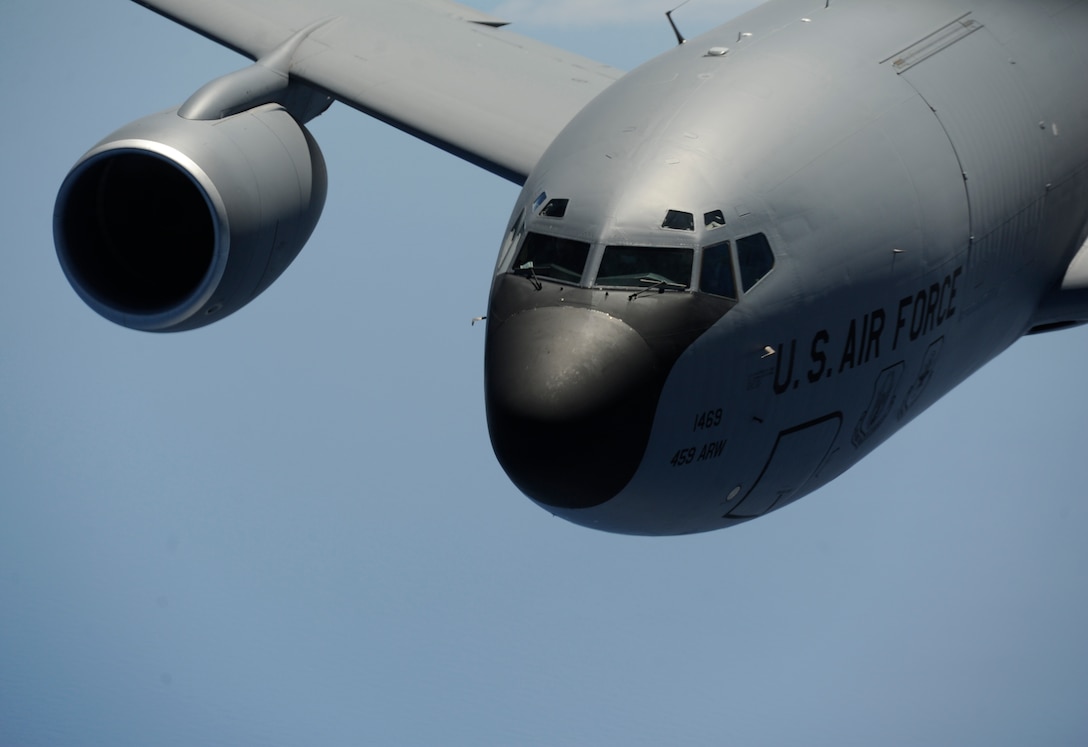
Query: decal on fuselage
{"points": [[925, 375], [881, 405], [866, 338]]}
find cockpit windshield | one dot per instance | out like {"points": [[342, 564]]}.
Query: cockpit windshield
{"points": [[755, 258], [637, 266], [716, 276], [552, 257]]}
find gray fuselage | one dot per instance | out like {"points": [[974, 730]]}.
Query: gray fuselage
{"points": [[751, 260]]}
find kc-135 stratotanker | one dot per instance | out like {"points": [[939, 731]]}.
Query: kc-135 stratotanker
{"points": [[731, 272]]}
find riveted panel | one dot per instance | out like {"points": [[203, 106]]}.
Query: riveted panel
{"points": [[972, 84]]}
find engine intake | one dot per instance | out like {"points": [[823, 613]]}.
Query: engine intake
{"points": [[171, 223]]}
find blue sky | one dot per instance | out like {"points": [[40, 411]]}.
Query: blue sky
{"points": [[289, 528]]}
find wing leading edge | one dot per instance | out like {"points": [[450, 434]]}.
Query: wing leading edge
{"points": [[445, 73]]}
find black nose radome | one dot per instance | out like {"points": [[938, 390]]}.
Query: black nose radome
{"points": [[571, 394]]}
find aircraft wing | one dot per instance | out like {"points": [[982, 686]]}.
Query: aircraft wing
{"points": [[441, 71]]}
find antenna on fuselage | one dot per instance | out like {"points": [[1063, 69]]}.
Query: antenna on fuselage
{"points": [[679, 37]]}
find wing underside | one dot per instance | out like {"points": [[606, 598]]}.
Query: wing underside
{"points": [[441, 71]]}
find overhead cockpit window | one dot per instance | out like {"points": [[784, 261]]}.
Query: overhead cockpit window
{"points": [[642, 266], [755, 259], [552, 257], [555, 208], [713, 219], [679, 221], [716, 275]]}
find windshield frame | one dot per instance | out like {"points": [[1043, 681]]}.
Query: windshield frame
{"points": [[522, 263], [670, 267]]}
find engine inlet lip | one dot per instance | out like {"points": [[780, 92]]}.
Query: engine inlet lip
{"points": [[201, 295]]}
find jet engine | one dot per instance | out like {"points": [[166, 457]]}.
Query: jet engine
{"points": [[171, 223]]}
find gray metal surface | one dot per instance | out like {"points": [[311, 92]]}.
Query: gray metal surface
{"points": [[444, 72], [170, 223]]}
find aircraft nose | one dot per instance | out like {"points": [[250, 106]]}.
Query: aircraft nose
{"points": [[571, 394]]}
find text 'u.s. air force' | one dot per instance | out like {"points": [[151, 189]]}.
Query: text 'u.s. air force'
{"points": [[864, 339]]}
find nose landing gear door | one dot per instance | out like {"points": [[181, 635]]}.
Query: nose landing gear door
{"points": [[797, 456]]}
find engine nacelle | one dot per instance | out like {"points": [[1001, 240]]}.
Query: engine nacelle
{"points": [[172, 223]]}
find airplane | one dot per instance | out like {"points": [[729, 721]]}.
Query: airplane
{"points": [[731, 273]]}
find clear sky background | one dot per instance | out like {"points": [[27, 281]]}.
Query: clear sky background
{"points": [[289, 528]]}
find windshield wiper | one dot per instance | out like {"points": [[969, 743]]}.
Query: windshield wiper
{"points": [[660, 286], [531, 275]]}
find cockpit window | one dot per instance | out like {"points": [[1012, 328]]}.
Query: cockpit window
{"points": [[713, 219], [636, 266], [716, 275], [678, 220], [555, 208], [552, 257], [755, 259]]}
